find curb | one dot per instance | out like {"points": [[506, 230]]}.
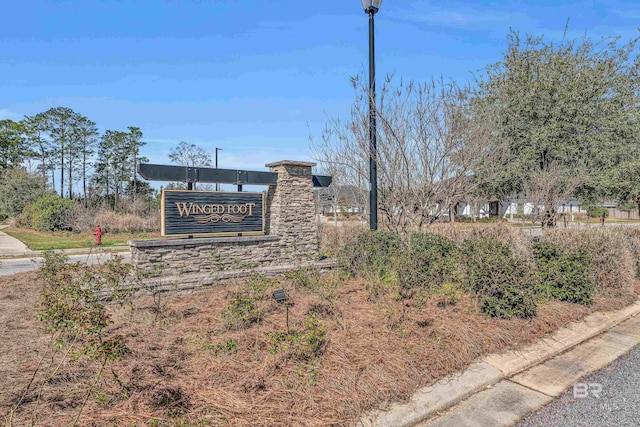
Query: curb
{"points": [[430, 401], [75, 251]]}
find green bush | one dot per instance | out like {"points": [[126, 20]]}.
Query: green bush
{"points": [[431, 261], [448, 294], [25, 219], [506, 301], [310, 280], [240, 312], [632, 240], [372, 254], [73, 310], [302, 345], [564, 274], [596, 211], [246, 305], [48, 213], [18, 189], [503, 284], [611, 264]]}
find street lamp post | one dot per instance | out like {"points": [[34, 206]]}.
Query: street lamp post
{"points": [[217, 184], [371, 7]]}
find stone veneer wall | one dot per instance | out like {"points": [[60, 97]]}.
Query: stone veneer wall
{"points": [[291, 227], [186, 256], [291, 210]]}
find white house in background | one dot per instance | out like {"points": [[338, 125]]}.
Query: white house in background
{"points": [[340, 199], [522, 207], [510, 207]]}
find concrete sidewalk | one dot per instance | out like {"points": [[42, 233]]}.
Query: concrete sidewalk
{"points": [[12, 246], [500, 389]]}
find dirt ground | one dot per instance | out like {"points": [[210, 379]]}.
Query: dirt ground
{"points": [[185, 368]]}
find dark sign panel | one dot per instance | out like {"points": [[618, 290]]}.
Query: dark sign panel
{"points": [[220, 176], [212, 212]]}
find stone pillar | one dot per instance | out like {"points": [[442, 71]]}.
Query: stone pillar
{"points": [[291, 210]]}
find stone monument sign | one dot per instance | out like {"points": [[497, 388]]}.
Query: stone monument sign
{"points": [[276, 229]]}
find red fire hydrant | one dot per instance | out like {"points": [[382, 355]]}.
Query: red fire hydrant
{"points": [[98, 233]]}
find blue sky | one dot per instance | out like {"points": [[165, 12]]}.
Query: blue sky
{"points": [[250, 76]]}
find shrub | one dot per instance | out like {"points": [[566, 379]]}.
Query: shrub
{"points": [[448, 294], [48, 213], [564, 274], [240, 312], [306, 278], [333, 239], [611, 267], [506, 301], [309, 279], [594, 210], [501, 282], [73, 310], [302, 345], [430, 262], [632, 240], [500, 232], [25, 219], [227, 347], [18, 189], [82, 220], [245, 306], [372, 254]]}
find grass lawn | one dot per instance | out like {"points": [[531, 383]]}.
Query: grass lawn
{"points": [[39, 241]]}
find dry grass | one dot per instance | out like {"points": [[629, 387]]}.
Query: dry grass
{"points": [[84, 220], [632, 240], [498, 231], [112, 222], [378, 350], [610, 249], [333, 238]]}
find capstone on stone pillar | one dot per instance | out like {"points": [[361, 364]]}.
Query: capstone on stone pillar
{"points": [[291, 209]]}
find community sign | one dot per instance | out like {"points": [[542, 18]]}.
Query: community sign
{"points": [[212, 212]]}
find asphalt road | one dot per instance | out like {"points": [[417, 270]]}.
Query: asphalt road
{"points": [[610, 397], [13, 266]]}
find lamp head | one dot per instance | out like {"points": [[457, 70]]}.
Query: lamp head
{"points": [[281, 296], [371, 6]]}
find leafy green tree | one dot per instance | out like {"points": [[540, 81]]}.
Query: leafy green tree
{"points": [[134, 144], [60, 123], [622, 183], [85, 135], [118, 157], [34, 127], [19, 188], [12, 144], [563, 112], [106, 172]]}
